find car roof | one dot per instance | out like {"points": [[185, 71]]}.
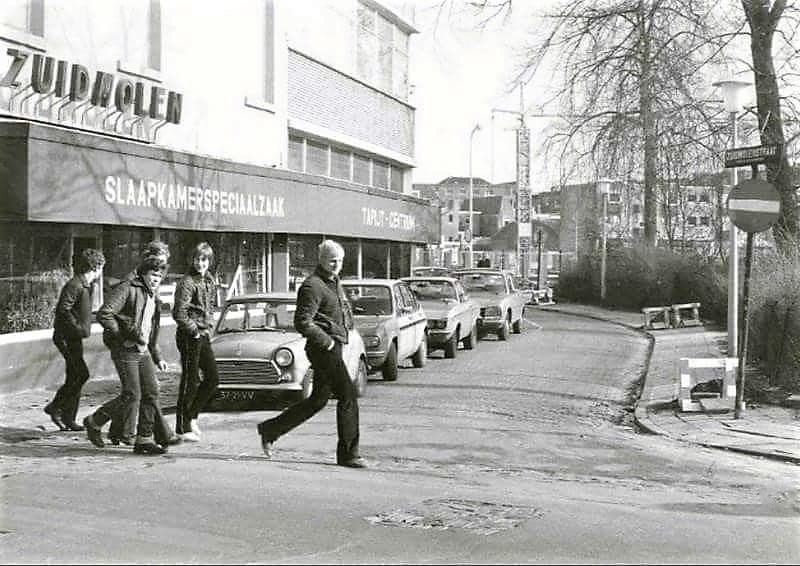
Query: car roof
{"points": [[482, 270], [430, 278], [371, 281], [273, 296]]}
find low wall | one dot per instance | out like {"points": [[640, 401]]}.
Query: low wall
{"points": [[30, 360]]}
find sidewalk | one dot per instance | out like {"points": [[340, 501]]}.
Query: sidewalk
{"points": [[764, 430]]}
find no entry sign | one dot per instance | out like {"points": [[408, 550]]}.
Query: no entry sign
{"points": [[754, 205]]}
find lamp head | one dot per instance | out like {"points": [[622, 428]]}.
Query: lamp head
{"points": [[604, 185], [732, 93]]}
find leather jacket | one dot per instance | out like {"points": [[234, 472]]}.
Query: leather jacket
{"points": [[323, 312], [73, 316], [195, 299], [121, 317]]}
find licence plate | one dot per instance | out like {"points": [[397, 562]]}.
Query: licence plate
{"points": [[237, 395]]}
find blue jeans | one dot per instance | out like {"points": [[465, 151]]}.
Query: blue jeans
{"points": [[137, 372]]}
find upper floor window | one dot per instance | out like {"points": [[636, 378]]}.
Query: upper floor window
{"points": [[25, 15], [692, 196], [705, 221], [704, 196], [381, 52], [692, 221]]}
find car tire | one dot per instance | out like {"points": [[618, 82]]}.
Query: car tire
{"points": [[516, 328], [389, 369], [503, 333], [419, 357], [472, 340], [451, 346], [361, 379]]}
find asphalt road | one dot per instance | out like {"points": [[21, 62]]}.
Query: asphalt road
{"points": [[516, 452]]}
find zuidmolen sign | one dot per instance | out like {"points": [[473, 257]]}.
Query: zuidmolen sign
{"points": [[754, 205], [754, 155]]}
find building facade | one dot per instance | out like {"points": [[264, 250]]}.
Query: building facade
{"points": [[246, 124]]}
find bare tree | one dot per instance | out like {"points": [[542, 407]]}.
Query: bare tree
{"points": [[763, 17]]}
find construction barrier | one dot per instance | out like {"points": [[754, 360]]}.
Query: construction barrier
{"points": [[688, 379]]}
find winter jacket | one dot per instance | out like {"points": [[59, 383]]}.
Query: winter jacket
{"points": [[73, 316], [323, 312], [195, 299], [121, 317]]}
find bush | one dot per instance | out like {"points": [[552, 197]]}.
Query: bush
{"points": [[774, 310], [30, 302], [642, 276]]}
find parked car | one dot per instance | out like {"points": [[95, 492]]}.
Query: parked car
{"points": [[502, 305], [430, 270], [261, 358], [391, 321], [452, 314], [529, 288]]}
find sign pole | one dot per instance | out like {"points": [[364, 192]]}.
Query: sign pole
{"points": [[748, 262]]}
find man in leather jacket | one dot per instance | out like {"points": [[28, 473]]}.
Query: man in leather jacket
{"points": [[323, 316]]}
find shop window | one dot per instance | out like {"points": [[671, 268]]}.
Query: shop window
{"points": [[361, 170], [340, 164], [380, 175], [374, 257], [400, 260], [296, 154], [350, 263], [705, 221], [33, 249], [303, 255], [316, 158]]}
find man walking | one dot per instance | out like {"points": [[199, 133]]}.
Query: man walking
{"points": [[73, 323], [323, 316]]}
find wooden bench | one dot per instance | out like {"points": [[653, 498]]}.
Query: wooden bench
{"points": [[685, 312], [656, 314]]}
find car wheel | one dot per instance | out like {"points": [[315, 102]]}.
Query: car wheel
{"points": [[451, 346], [421, 354], [389, 370], [308, 383], [472, 340], [361, 379], [503, 333], [517, 326]]}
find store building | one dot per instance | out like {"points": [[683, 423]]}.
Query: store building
{"points": [[249, 125]]}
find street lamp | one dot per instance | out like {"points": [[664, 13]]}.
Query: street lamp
{"points": [[470, 231], [604, 186], [732, 91]]}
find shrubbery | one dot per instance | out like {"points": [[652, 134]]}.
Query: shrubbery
{"points": [[29, 303], [639, 277]]}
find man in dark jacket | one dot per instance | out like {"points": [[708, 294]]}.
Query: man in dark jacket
{"points": [[131, 320], [323, 316], [73, 323], [195, 297]]}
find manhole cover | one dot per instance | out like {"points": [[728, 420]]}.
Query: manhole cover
{"points": [[481, 516]]}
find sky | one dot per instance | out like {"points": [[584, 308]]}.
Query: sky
{"points": [[459, 74]]}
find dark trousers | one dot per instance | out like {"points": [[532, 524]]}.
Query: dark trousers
{"points": [[68, 395], [330, 375], [137, 372], [194, 393], [123, 423]]}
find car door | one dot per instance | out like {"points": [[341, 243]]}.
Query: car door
{"points": [[514, 298], [411, 320], [468, 309]]}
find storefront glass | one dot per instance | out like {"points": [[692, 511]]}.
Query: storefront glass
{"points": [[303, 252], [401, 260], [375, 256], [30, 249]]}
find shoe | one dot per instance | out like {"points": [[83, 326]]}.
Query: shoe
{"points": [[93, 433], [116, 440], [73, 426], [190, 437], [173, 441], [55, 416], [149, 449], [266, 444], [194, 427], [356, 462]]}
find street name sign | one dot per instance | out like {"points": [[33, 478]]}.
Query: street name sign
{"points": [[754, 205], [739, 156]]}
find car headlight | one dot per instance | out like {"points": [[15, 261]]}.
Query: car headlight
{"points": [[439, 324], [372, 341], [490, 311], [283, 357]]}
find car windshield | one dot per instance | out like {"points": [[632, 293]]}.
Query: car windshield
{"points": [[433, 290], [369, 300], [257, 316], [430, 271], [483, 282]]}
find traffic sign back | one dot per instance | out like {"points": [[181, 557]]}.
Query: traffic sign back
{"points": [[754, 205]]}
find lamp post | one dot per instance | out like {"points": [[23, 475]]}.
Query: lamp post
{"points": [[732, 95], [604, 186], [470, 231]]}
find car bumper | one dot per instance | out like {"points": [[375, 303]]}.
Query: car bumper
{"points": [[376, 359], [490, 324], [439, 337]]}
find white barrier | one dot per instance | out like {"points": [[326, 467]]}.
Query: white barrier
{"points": [[688, 380]]}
